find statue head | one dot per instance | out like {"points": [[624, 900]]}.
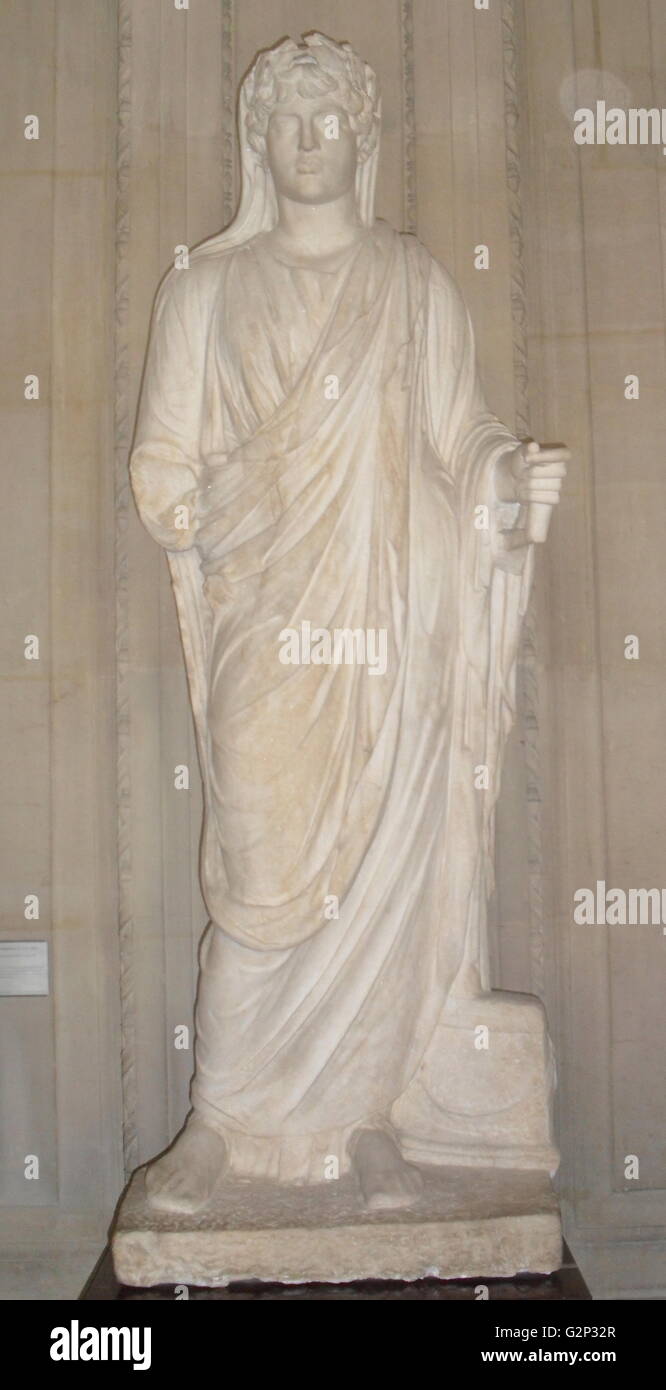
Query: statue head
{"points": [[300, 85], [313, 116]]}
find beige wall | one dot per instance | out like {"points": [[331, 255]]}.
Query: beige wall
{"points": [[595, 238], [60, 1097], [136, 156]]}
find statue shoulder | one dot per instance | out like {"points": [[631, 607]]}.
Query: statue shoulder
{"points": [[434, 269], [190, 291], [414, 249], [443, 292]]}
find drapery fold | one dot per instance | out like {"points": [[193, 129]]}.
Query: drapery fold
{"points": [[326, 433]]}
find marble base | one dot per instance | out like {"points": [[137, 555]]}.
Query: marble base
{"points": [[480, 1223]]}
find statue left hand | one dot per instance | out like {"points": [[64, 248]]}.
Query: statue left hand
{"points": [[537, 472]]}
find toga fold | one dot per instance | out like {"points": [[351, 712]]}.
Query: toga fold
{"points": [[313, 447]]}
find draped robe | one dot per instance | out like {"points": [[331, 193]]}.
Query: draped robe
{"points": [[324, 434]]}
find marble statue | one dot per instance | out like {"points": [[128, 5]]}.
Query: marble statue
{"points": [[350, 533]]}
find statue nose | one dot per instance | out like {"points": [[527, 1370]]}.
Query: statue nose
{"points": [[308, 140]]}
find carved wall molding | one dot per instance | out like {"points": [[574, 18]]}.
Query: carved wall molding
{"points": [[228, 109], [123, 430], [408, 115], [527, 672]]}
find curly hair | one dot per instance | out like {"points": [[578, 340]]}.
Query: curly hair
{"points": [[315, 67]]}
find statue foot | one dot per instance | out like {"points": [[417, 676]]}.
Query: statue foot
{"points": [[184, 1178], [386, 1179]]}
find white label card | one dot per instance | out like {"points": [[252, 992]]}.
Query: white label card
{"points": [[24, 967]]}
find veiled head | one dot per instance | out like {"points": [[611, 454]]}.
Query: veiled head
{"points": [[313, 116]]}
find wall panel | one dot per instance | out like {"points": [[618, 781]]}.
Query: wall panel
{"points": [[60, 1053], [596, 314]]}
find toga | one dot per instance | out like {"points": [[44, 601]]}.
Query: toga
{"points": [[313, 448]]}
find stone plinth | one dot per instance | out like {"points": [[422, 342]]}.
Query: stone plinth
{"points": [[485, 1223]]}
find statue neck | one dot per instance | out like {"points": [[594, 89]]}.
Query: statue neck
{"points": [[316, 231]]}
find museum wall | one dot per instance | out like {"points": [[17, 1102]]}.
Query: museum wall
{"points": [[60, 1107], [135, 158], [594, 236]]}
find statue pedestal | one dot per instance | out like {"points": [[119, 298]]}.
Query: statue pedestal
{"points": [[469, 1223]]}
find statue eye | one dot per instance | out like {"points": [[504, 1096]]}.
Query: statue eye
{"points": [[283, 122], [340, 117]]}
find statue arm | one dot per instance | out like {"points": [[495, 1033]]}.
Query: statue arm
{"points": [[455, 406], [165, 465], [473, 448], [463, 429]]}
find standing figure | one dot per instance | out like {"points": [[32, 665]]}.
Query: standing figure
{"points": [[314, 452]]}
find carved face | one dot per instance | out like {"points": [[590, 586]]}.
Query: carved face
{"points": [[311, 148]]}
